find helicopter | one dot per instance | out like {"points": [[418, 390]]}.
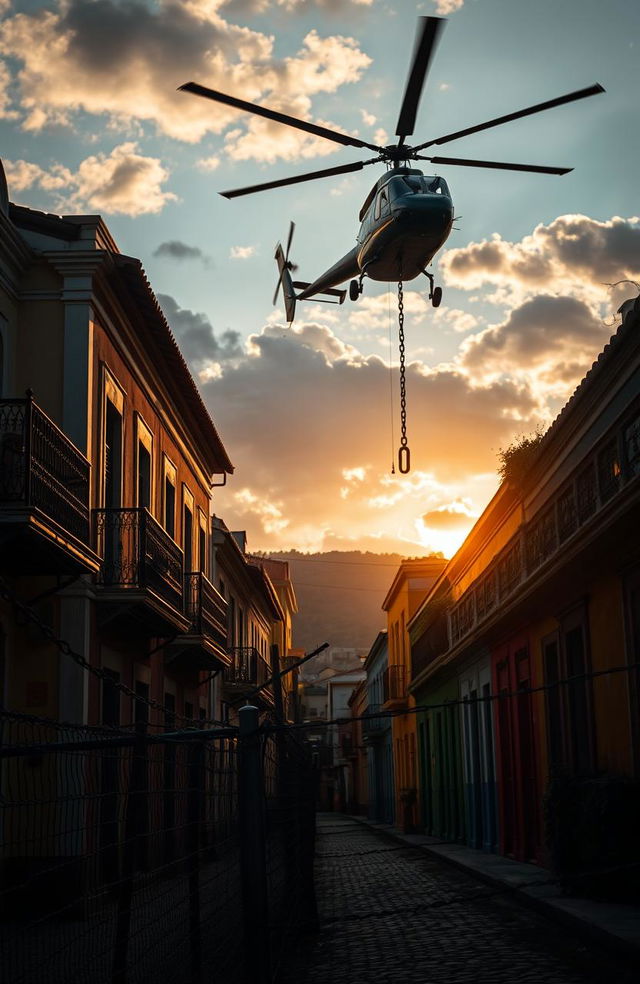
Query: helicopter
{"points": [[408, 215]]}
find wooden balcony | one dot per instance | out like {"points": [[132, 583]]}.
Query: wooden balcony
{"points": [[395, 685], [140, 580], [247, 670], [204, 645], [44, 495]]}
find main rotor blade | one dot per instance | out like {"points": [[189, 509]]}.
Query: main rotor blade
{"points": [[271, 114], [327, 173], [591, 90], [465, 162], [426, 41]]}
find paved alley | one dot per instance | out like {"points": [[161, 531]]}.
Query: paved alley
{"points": [[391, 913]]}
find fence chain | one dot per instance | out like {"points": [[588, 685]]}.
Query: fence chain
{"points": [[30, 616]]}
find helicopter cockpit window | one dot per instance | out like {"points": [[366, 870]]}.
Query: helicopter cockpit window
{"points": [[382, 204], [414, 184], [437, 186]]}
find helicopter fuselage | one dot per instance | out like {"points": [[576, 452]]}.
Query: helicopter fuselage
{"points": [[405, 219]]}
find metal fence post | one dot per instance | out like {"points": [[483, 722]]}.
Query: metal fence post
{"points": [[253, 855], [132, 827], [195, 804]]}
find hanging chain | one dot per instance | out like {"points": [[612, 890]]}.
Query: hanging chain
{"points": [[404, 454]]}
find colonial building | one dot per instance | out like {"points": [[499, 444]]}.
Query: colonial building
{"points": [[254, 610], [410, 585], [279, 575], [377, 736], [108, 459], [533, 629]]}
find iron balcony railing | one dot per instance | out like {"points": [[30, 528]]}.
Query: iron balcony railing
{"points": [[138, 554], [394, 682], [41, 469], [247, 667], [372, 725], [205, 608]]}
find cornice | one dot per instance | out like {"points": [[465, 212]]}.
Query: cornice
{"points": [[531, 584], [14, 253]]}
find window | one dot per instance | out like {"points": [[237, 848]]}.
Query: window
{"points": [[609, 471], [187, 529], [144, 464], [169, 497], [570, 722], [555, 734], [113, 457], [631, 437], [202, 542], [382, 205], [113, 412], [232, 621]]}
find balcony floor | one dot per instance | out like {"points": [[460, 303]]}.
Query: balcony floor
{"points": [[32, 543]]}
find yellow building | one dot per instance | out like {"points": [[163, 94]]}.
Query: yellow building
{"points": [[410, 586]]}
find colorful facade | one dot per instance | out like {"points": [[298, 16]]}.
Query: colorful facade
{"points": [[527, 645], [377, 736], [412, 581]]}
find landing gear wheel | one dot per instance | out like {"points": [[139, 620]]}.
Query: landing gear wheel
{"points": [[436, 297], [354, 290]]}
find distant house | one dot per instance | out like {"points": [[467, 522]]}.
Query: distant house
{"points": [[254, 610], [411, 583], [377, 736]]}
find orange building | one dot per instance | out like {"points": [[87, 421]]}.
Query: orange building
{"points": [[410, 586]]}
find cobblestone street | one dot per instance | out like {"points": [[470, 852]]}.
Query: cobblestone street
{"points": [[391, 913]]}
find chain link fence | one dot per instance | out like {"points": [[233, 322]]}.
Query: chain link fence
{"points": [[130, 857]]}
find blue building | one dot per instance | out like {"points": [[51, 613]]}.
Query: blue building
{"points": [[377, 734]]}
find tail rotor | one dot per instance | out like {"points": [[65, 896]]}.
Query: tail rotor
{"points": [[284, 262]]}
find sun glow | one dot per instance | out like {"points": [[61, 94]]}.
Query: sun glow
{"points": [[443, 541]]}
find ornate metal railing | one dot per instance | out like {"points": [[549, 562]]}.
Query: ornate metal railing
{"points": [[41, 469], [394, 682], [372, 725], [138, 554], [247, 667], [205, 608]]}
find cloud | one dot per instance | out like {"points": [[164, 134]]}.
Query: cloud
{"points": [[573, 254], [242, 252], [307, 415], [203, 350], [176, 250], [208, 163], [269, 514], [444, 7], [123, 181], [124, 59], [450, 516], [331, 5], [551, 338]]}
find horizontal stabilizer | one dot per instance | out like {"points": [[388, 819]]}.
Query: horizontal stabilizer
{"points": [[340, 294]]}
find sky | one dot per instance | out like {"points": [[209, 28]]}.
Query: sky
{"points": [[90, 121]]}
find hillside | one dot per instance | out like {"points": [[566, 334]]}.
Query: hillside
{"points": [[339, 594]]}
